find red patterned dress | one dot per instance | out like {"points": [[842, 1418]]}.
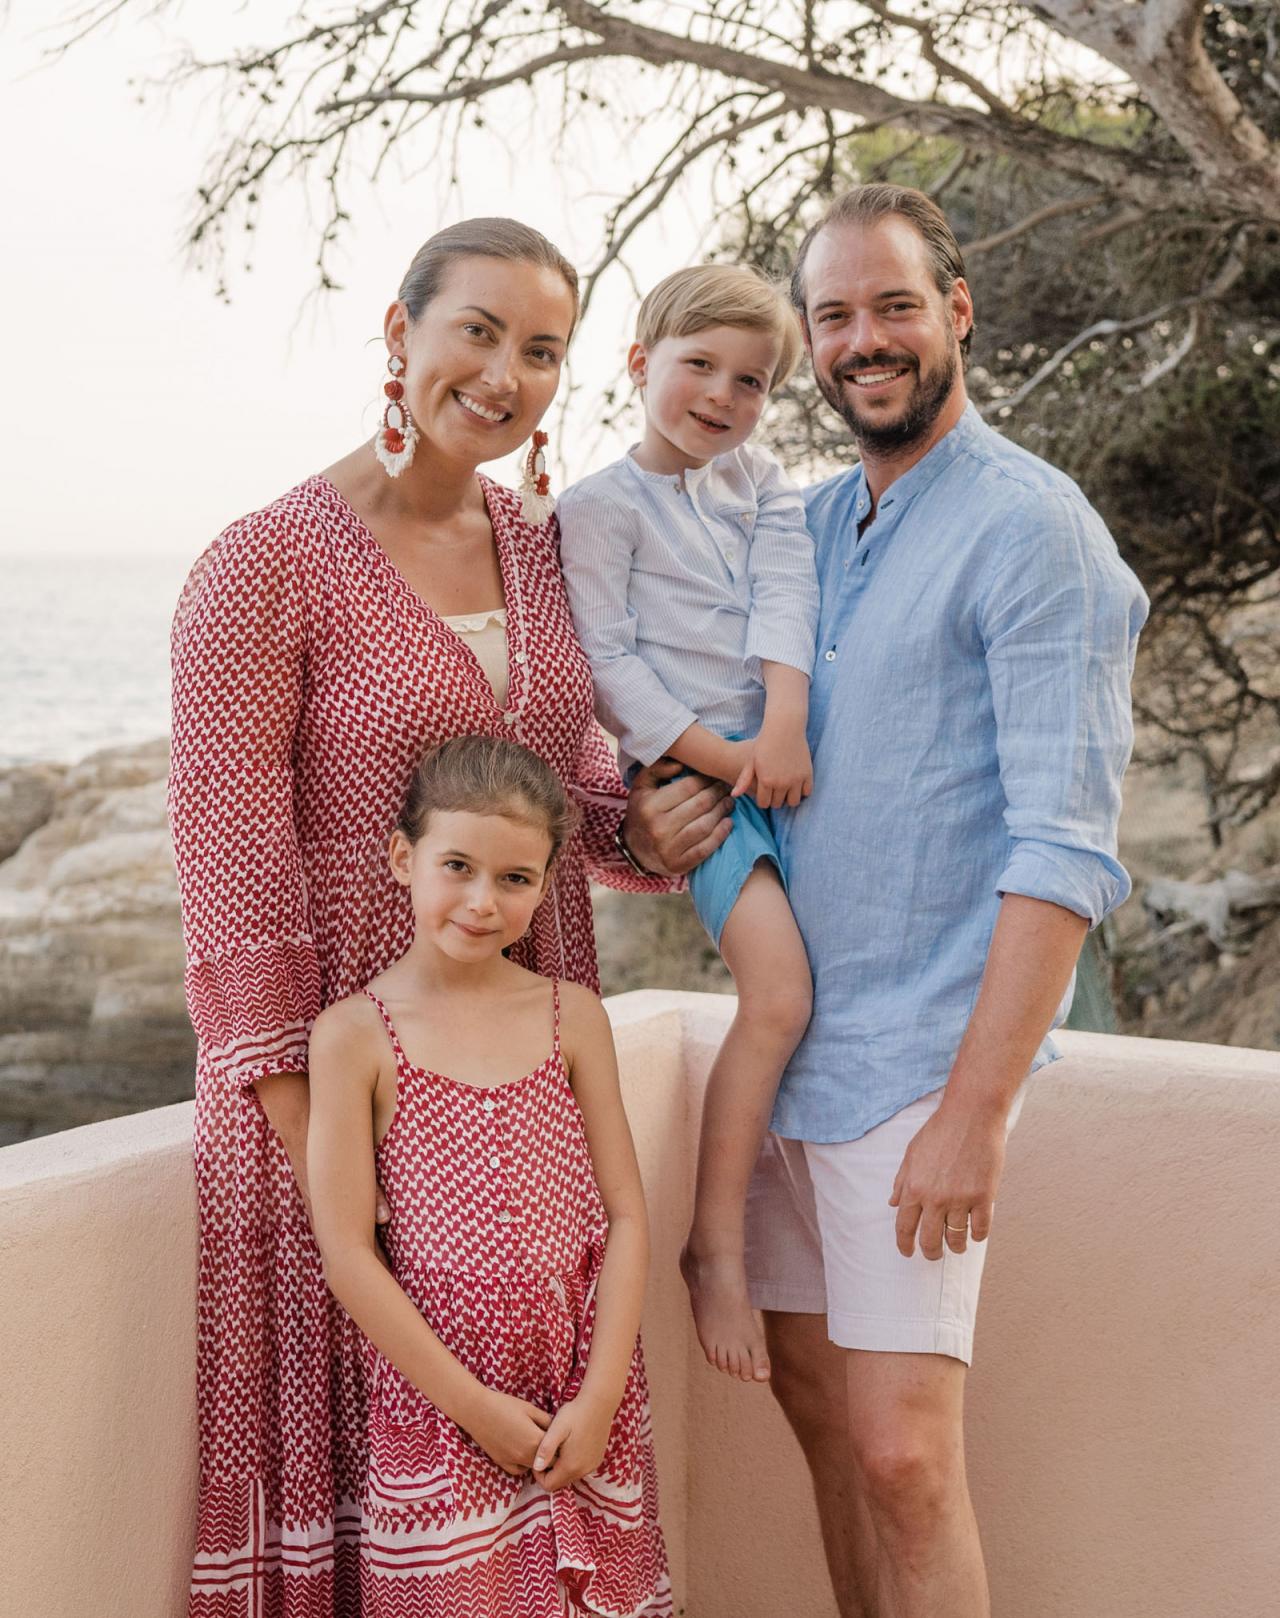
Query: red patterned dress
{"points": [[307, 679], [497, 1235]]}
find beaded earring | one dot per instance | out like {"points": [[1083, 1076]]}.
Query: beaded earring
{"points": [[536, 503], [397, 438]]}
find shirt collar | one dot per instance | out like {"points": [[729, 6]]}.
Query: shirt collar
{"points": [[902, 490], [688, 481]]}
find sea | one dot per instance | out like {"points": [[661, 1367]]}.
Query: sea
{"points": [[84, 653]]}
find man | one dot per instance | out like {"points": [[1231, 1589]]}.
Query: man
{"points": [[970, 725]]}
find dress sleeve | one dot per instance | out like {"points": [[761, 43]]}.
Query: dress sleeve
{"points": [[252, 975], [600, 795], [783, 625], [1060, 624]]}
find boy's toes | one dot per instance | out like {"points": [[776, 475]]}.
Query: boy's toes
{"points": [[760, 1369]]}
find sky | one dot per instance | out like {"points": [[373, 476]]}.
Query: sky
{"points": [[138, 414]]}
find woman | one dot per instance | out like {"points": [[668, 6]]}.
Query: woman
{"points": [[320, 645]]}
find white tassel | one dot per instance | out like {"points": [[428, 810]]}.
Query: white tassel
{"points": [[395, 464], [535, 508]]}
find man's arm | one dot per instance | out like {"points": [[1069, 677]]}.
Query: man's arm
{"points": [[952, 1167], [1059, 619]]}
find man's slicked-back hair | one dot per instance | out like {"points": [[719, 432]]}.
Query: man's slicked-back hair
{"points": [[865, 205]]}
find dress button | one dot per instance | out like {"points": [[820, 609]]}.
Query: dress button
{"points": [[504, 1218], [495, 1162], [488, 1105], [831, 655], [522, 658]]}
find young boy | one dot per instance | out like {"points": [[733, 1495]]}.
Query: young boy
{"points": [[692, 583]]}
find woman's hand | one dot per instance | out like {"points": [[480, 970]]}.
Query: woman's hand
{"points": [[780, 767], [574, 1443], [508, 1430], [672, 825]]}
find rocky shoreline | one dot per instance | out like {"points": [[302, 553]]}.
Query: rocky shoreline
{"points": [[92, 1018]]}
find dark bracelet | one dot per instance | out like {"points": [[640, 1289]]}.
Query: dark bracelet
{"points": [[620, 843]]}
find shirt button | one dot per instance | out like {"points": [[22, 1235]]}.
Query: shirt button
{"points": [[510, 717], [522, 658], [488, 1105], [495, 1162], [504, 1218], [831, 655]]}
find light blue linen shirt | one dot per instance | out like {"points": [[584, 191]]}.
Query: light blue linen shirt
{"points": [[970, 724], [681, 586]]}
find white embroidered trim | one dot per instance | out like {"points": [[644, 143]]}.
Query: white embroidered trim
{"points": [[470, 623]]}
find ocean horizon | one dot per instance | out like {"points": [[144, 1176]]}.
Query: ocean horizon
{"points": [[84, 653]]}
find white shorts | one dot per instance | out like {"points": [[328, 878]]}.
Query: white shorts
{"points": [[820, 1240]]}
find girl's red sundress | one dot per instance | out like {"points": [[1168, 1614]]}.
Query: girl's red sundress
{"points": [[308, 677], [497, 1235]]}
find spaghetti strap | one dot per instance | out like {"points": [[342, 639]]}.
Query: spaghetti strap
{"points": [[396, 1046], [555, 1016]]}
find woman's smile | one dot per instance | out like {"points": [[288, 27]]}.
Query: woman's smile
{"points": [[475, 407]]}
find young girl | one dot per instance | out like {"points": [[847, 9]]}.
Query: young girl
{"points": [[511, 1466]]}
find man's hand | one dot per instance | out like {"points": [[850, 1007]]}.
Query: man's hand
{"points": [[573, 1445], [672, 825], [948, 1178]]}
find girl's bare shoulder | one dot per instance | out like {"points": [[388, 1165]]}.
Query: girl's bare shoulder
{"points": [[583, 1019], [348, 1031]]}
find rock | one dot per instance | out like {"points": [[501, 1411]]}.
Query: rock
{"points": [[26, 802], [1202, 976], [654, 941], [1229, 908], [92, 1017]]}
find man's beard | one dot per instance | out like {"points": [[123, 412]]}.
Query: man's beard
{"points": [[929, 393]]}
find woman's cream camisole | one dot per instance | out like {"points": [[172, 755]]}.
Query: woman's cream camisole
{"points": [[486, 634]]}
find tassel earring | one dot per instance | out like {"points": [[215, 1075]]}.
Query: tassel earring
{"points": [[397, 438], [536, 503]]}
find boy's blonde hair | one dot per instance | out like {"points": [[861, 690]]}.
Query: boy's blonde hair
{"points": [[704, 295]]}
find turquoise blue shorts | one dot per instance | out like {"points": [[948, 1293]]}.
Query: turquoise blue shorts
{"points": [[715, 884]]}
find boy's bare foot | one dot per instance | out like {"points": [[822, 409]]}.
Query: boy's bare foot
{"points": [[730, 1335]]}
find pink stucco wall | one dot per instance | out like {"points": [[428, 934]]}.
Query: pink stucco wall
{"points": [[1123, 1426]]}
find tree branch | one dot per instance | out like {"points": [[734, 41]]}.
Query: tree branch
{"points": [[1126, 173], [472, 89], [1160, 45], [1226, 277], [944, 68], [1051, 210]]}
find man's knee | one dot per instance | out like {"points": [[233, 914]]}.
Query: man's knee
{"points": [[908, 1479]]}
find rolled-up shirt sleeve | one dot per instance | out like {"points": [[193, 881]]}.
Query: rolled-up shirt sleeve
{"points": [[1060, 621], [783, 623], [597, 549]]}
